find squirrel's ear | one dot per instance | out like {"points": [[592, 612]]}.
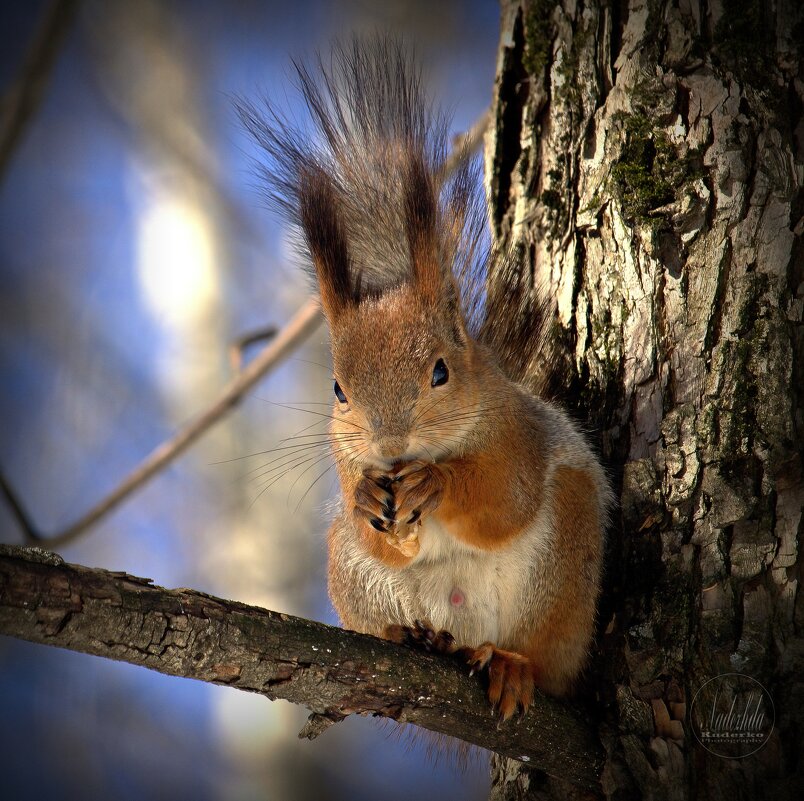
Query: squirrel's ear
{"points": [[421, 227], [326, 240], [453, 313]]}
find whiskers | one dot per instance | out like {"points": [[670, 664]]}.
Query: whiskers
{"points": [[302, 454], [307, 456], [448, 429]]}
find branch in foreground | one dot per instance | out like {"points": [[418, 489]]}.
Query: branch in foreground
{"points": [[332, 672]]}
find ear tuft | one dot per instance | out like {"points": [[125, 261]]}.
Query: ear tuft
{"points": [[454, 314], [326, 240], [421, 225]]}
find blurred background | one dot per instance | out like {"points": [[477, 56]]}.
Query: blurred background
{"points": [[134, 250]]}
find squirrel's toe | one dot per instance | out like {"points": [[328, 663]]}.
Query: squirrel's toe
{"points": [[423, 636]]}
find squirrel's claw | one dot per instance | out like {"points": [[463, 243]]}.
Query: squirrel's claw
{"points": [[511, 676], [393, 503], [417, 492], [375, 505]]}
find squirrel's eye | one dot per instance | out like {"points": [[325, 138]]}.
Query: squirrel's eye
{"points": [[339, 394], [440, 373]]}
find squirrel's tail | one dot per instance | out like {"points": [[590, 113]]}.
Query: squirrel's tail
{"points": [[518, 324], [369, 145]]}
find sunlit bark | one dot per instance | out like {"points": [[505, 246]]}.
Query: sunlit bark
{"points": [[648, 157]]}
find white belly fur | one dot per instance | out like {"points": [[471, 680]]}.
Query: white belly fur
{"points": [[444, 564]]}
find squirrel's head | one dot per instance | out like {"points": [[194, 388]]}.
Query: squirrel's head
{"points": [[406, 386]]}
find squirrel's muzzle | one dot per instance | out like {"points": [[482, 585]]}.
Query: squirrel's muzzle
{"points": [[390, 448], [389, 441]]}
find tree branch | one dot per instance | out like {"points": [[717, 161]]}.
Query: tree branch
{"points": [[332, 672]]}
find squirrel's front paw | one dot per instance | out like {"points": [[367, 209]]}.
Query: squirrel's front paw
{"points": [[417, 488], [376, 505], [374, 502]]}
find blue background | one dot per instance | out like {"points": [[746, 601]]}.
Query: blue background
{"points": [[96, 372]]}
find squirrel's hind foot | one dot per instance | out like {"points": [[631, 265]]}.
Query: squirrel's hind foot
{"points": [[511, 677]]}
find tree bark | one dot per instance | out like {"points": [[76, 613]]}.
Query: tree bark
{"points": [[646, 157], [332, 672]]}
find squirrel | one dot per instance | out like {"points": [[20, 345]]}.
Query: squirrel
{"points": [[472, 512]]}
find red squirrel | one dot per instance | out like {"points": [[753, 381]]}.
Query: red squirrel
{"points": [[472, 512]]}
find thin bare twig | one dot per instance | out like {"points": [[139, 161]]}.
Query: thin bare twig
{"points": [[238, 347], [25, 94], [465, 144], [296, 331], [18, 511]]}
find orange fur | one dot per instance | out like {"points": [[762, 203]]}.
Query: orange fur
{"points": [[553, 642], [481, 505]]}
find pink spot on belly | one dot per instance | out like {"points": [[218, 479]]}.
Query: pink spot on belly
{"points": [[456, 597]]}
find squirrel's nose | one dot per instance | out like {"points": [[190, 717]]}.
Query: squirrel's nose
{"points": [[390, 435], [390, 441], [391, 447]]}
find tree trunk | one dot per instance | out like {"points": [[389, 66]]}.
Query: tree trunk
{"points": [[647, 158]]}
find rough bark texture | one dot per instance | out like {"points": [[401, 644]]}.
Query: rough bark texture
{"points": [[332, 672], [647, 157]]}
